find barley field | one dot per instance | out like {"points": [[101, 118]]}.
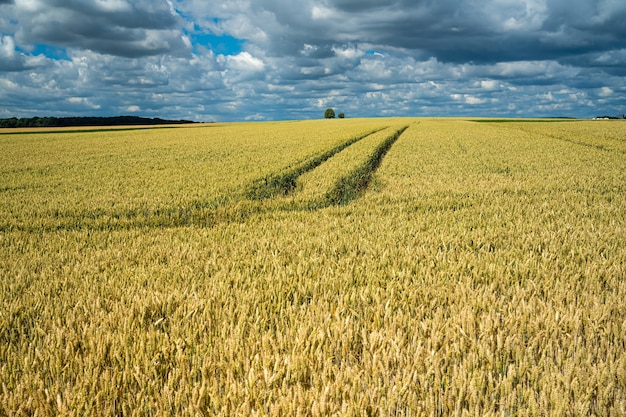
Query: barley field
{"points": [[356, 267]]}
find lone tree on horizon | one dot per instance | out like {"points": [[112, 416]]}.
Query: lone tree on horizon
{"points": [[329, 113]]}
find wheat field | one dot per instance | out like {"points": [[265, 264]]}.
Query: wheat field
{"points": [[356, 267]]}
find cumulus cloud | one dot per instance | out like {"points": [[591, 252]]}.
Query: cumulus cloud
{"points": [[489, 85], [13, 60], [606, 92], [10, 60], [293, 58], [115, 27], [82, 103], [244, 62]]}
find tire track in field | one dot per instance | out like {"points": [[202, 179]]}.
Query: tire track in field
{"points": [[353, 185], [284, 182], [261, 198]]}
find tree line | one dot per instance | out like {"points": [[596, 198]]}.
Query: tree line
{"points": [[86, 121]]}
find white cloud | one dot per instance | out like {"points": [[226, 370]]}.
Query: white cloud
{"points": [[489, 85], [348, 52], [7, 47], [321, 12], [245, 62], [83, 102], [468, 99], [605, 92], [519, 68], [472, 100], [10, 59], [308, 49], [186, 41], [416, 58]]}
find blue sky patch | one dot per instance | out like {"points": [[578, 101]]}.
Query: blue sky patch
{"points": [[223, 45], [51, 52]]}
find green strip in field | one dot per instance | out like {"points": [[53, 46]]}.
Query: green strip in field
{"points": [[351, 186], [205, 214], [343, 177], [284, 182]]}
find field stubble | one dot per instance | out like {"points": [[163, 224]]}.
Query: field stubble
{"points": [[481, 274]]}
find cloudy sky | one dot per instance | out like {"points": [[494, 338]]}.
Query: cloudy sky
{"points": [[291, 59]]}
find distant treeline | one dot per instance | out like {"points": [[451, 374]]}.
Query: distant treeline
{"points": [[86, 121]]}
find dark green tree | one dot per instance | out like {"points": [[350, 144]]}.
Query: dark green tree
{"points": [[329, 113], [341, 115]]}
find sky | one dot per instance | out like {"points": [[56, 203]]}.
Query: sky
{"points": [[239, 60]]}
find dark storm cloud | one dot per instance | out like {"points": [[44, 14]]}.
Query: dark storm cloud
{"points": [[141, 28], [294, 58], [452, 31]]}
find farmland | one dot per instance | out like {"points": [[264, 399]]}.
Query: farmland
{"points": [[332, 267]]}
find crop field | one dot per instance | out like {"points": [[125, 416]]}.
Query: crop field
{"points": [[356, 267]]}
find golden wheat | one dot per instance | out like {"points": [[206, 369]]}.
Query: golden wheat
{"points": [[482, 273]]}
